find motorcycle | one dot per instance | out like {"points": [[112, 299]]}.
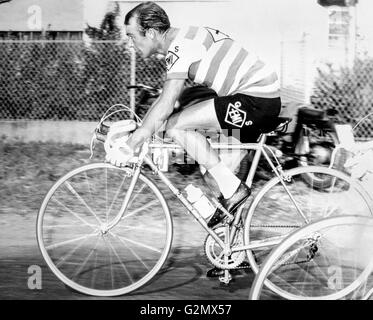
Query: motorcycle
{"points": [[307, 140]]}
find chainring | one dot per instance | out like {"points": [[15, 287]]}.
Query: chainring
{"points": [[214, 254]]}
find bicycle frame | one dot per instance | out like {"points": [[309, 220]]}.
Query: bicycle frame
{"points": [[260, 149]]}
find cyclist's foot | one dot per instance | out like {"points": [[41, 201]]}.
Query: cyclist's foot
{"points": [[231, 204], [216, 272]]}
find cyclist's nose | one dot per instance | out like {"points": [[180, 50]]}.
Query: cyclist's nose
{"points": [[131, 43]]}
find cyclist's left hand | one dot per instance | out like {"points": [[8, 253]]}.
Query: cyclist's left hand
{"points": [[119, 154]]}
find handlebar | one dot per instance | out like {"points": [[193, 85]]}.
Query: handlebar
{"points": [[143, 87]]}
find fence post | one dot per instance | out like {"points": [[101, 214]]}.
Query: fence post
{"points": [[133, 79]]}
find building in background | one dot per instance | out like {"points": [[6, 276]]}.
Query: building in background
{"points": [[342, 31], [41, 19]]}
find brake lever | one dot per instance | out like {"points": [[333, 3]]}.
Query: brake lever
{"points": [[92, 145]]}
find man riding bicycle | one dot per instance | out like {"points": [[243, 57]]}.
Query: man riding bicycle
{"points": [[248, 95]]}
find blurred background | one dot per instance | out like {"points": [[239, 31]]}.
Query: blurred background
{"points": [[63, 63]]}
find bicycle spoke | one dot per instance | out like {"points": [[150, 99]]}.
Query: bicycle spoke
{"points": [[121, 263], [140, 244], [285, 258], [54, 246], [106, 241], [85, 261], [59, 262], [75, 214], [72, 190], [319, 271], [140, 209], [132, 251], [67, 226], [94, 272], [141, 228], [115, 198], [88, 185], [278, 278]]}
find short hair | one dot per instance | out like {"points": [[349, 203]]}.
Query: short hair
{"points": [[149, 15]]}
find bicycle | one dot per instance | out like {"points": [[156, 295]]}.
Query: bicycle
{"points": [[345, 239], [131, 224]]}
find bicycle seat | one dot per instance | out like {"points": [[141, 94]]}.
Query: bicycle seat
{"points": [[276, 125], [311, 114]]}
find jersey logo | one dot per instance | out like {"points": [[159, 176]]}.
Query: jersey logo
{"points": [[171, 58], [235, 116], [217, 35]]}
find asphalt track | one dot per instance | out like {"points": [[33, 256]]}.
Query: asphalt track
{"points": [[182, 277]]}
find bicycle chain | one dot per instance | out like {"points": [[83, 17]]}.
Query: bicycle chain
{"points": [[235, 265], [274, 226], [312, 252]]}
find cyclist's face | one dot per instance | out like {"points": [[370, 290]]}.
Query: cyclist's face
{"points": [[142, 43]]}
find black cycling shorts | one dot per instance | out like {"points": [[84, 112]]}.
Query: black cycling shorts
{"points": [[244, 117]]}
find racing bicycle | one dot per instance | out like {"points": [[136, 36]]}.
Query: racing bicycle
{"points": [[106, 231]]}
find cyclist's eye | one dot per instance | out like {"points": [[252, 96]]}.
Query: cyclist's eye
{"points": [[130, 41]]}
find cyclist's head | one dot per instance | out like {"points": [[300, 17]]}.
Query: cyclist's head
{"points": [[143, 23]]}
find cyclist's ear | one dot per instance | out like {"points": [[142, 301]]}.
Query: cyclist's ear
{"points": [[150, 33]]}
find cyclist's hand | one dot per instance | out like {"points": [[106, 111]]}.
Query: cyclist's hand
{"points": [[119, 132], [119, 154]]}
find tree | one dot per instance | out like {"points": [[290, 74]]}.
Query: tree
{"points": [[109, 29]]}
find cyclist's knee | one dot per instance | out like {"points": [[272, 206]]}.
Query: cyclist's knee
{"points": [[174, 133], [174, 124]]}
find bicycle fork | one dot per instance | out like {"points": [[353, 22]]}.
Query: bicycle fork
{"points": [[135, 176]]}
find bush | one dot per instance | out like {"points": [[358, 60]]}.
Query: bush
{"points": [[348, 90]]}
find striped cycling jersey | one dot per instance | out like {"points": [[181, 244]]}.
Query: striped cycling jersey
{"points": [[209, 57]]}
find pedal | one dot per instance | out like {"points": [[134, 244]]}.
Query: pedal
{"points": [[244, 265], [226, 278]]}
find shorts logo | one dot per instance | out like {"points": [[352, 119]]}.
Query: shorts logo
{"points": [[171, 58], [235, 116]]}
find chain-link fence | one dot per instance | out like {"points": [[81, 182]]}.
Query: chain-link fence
{"points": [[68, 80], [73, 81], [350, 92]]}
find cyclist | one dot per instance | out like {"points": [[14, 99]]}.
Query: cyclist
{"points": [[247, 98]]}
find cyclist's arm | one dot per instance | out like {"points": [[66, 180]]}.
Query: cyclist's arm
{"points": [[158, 114]]}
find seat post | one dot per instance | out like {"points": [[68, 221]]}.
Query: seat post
{"points": [[254, 165]]}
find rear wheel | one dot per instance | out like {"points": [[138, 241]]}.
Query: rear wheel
{"points": [[276, 212], [329, 259]]}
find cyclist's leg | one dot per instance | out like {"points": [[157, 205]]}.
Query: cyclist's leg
{"points": [[181, 127]]}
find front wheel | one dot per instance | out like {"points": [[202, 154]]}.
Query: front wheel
{"points": [[284, 205], [79, 247]]}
